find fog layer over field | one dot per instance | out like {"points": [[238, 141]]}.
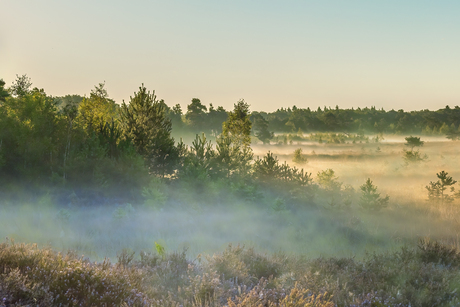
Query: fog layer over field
{"points": [[201, 223], [382, 162]]}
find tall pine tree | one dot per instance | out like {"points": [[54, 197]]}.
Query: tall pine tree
{"points": [[145, 123]]}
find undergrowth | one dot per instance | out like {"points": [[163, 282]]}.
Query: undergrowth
{"points": [[426, 275]]}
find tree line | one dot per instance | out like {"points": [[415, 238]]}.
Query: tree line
{"points": [[94, 143], [370, 120]]}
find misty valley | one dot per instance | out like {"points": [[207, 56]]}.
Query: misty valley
{"points": [[141, 204]]}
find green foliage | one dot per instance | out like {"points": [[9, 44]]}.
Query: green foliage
{"points": [[30, 134], [238, 126], [196, 115], [21, 86], [413, 141], [145, 123], [435, 252], [327, 180], [329, 137], [268, 170], [232, 157], [437, 190], [199, 162], [370, 199], [3, 92], [413, 156], [175, 115], [160, 250], [97, 110], [366, 119], [332, 193], [260, 127], [154, 194], [453, 134], [299, 158]]}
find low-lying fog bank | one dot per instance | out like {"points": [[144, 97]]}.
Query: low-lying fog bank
{"points": [[104, 231]]}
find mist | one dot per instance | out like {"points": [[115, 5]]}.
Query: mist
{"points": [[203, 224], [103, 204]]}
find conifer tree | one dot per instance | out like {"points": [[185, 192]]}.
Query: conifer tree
{"points": [[436, 190], [234, 144], [238, 126], [261, 129], [145, 123], [3, 92], [370, 199]]}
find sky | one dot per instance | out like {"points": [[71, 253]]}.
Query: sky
{"points": [[388, 54]]}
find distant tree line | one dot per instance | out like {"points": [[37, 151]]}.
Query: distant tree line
{"points": [[369, 120], [445, 122]]}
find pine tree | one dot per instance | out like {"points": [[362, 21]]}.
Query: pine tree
{"points": [[3, 92], [436, 190], [145, 123], [260, 128], [238, 126], [370, 199]]}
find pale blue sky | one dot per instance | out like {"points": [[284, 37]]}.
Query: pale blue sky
{"points": [[391, 54]]}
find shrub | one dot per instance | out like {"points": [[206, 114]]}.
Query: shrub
{"points": [[412, 156], [299, 158], [435, 252], [40, 276], [244, 265]]}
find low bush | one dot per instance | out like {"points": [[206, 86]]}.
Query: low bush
{"points": [[237, 277]]}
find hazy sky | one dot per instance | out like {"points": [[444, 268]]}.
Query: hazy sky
{"points": [[390, 54]]}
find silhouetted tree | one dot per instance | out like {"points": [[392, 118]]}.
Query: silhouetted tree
{"points": [[413, 141], [413, 155], [260, 127], [21, 86], [3, 92], [196, 114]]}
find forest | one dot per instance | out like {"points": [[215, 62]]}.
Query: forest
{"points": [[215, 207]]}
